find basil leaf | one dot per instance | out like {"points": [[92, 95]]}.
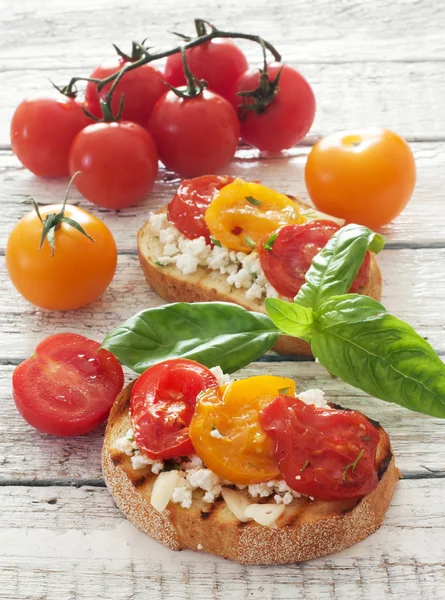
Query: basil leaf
{"points": [[356, 340], [292, 319], [334, 268], [212, 333]]}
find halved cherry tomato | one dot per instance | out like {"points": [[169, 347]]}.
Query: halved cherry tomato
{"points": [[240, 451], [141, 89], [219, 62], [186, 210], [365, 176], [243, 213], [327, 454], [162, 405], [68, 385], [286, 260], [42, 131]]}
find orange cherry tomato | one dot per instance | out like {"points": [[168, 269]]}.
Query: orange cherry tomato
{"points": [[79, 271], [226, 433], [243, 213], [364, 176]]}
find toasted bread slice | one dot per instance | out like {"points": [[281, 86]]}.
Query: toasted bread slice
{"points": [[306, 530], [206, 286]]}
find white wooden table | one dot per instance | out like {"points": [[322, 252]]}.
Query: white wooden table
{"points": [[379, 62]]}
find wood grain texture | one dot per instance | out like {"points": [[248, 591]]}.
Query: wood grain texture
{"points": [[27, 455], [421, 224], [47, 528]]}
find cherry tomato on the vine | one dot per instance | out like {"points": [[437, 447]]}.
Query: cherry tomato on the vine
{"points": [[67, 386], [219, 62], [42, 131], [286, 119], [194, 135], [142, 87], [78, 271], [364, 176], [118, 163]]}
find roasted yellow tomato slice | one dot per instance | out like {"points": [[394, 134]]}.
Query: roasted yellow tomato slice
{"points": [[244, 213], [226, 433]]}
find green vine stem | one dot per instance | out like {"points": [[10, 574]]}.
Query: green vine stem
{"points": [[147, 57]]}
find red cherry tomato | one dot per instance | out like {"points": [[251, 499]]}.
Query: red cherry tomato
{"points": [[162, 406], [42, 131], [187, 209], [194, 136], [326, 454], [286, 263], [118, 163], [286, 120], [68, 385], [141, 89], [219, 62]]}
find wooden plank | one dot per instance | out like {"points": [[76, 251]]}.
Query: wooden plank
{"points": [[413, 289], [59, 33], [63, 544], [26, 455], [357, 87], [421, 223]]}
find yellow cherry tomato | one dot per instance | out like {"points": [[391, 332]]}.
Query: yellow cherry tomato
{"points": [[76, 273], [226, 433], [364, 176], [244, 213]]}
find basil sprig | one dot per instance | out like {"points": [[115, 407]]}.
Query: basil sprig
{"points": [[212, 333], [335, 267], [351, 335]]}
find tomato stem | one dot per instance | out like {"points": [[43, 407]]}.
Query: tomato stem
{"points": [[146, 57]]}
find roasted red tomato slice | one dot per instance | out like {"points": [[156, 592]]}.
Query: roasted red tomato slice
{"points": [[186, 210], [68, 386], [162, 405], [324, 453], [286, 261]]}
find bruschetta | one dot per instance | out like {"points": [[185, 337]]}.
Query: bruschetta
{"points": [[249, 469], [230, 240]]}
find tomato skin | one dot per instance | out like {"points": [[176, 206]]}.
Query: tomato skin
{"points": [[286, 120], [220, 62], [243, 454], [316, 448], [285, 265], [42, 130], [118, 163], [364, 176], [162, 404], [187, 209], [141, 88], [194, 136], [77, 274], [68, 386]]}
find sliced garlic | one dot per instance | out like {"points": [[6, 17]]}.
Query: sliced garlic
{"points": [[311, 214], [163, 489], [237, 503], [265, 514]]}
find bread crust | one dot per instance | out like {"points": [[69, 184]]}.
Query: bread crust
{"points": [[209, 286], [308, 529]]}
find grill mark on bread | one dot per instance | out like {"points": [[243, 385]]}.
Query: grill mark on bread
{"points": [[116, 459], [140, 481], [384, 464]]}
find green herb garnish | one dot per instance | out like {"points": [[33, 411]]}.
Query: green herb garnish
{"points": [[252, 465], [306, 464], [216, 242], [253, 200], [283, 390], [352, 465], [249, 241], [270, 242], [159, 264]]}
